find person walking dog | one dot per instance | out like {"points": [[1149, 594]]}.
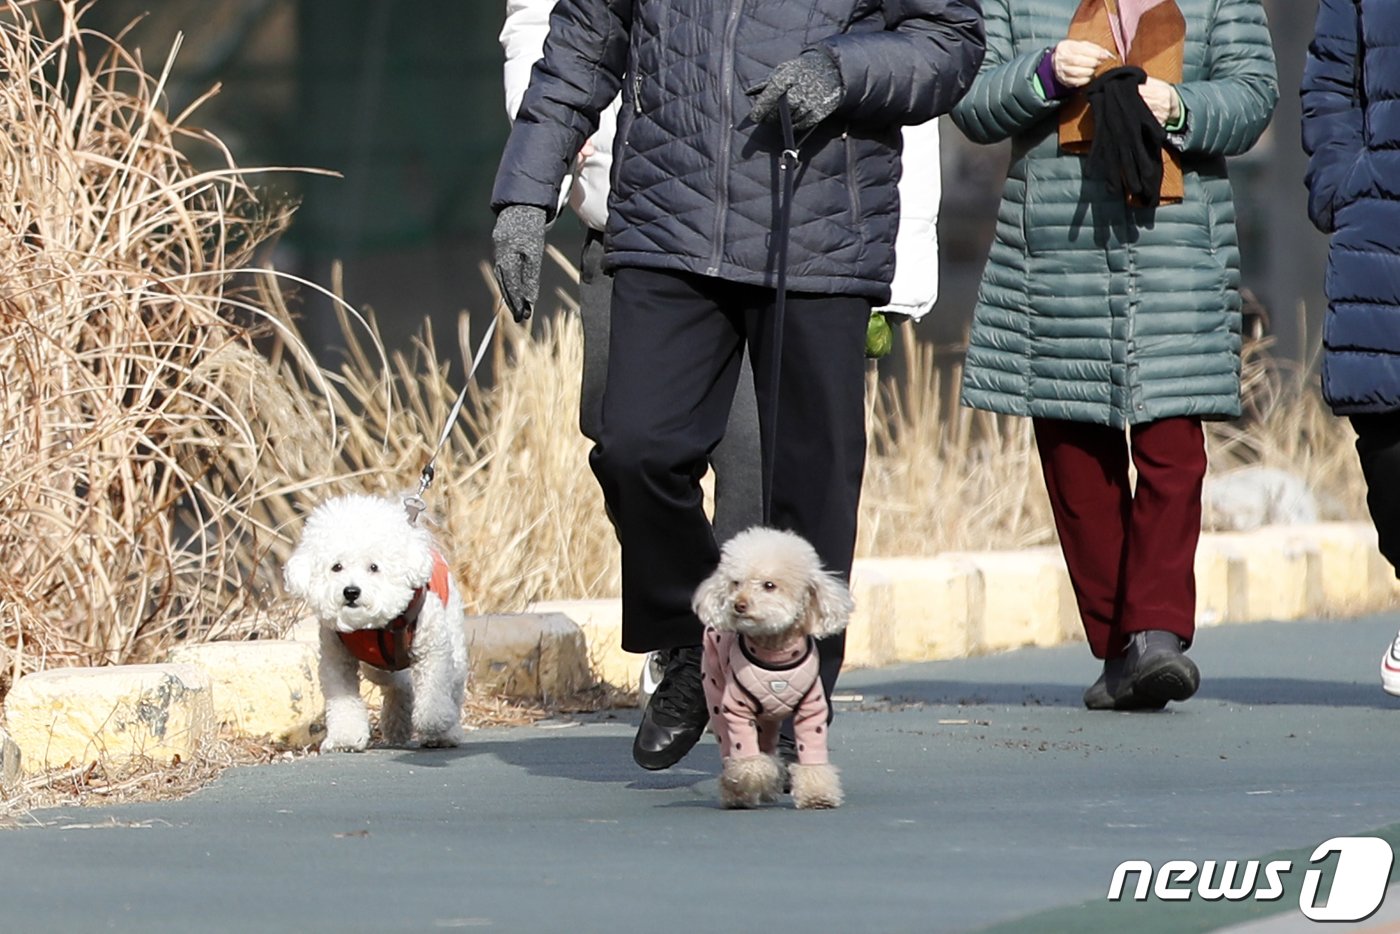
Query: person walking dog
{"points": [[736, 460], [1353, 178], [693, 235], [1110, 303]]}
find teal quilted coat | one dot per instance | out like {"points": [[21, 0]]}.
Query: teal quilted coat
{"points": [[1089, 310]]}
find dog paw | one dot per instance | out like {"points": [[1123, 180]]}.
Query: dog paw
{"points": [[816, 787], [750, 781], [344, 744], [448, 740]]}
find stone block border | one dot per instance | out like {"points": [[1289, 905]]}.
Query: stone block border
{"points": [[907, 610], [69, 716], [959, 604]]}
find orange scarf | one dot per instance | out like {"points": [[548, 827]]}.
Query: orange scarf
{"points": [[1157, 45]]}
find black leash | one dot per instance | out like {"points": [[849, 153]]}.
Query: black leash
{"points": [[787, 172]]}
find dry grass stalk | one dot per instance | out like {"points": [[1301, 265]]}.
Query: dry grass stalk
{"points": [[941, 477], [1287, 426], [127, 361], [512, 498]]}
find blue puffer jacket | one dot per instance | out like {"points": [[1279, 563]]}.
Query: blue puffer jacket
{"points": [[695, 181], [1351, 130]]}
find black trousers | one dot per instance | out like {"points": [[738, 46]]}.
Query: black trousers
{"points": [[1378, 445], [674, 362], [737, 460]]}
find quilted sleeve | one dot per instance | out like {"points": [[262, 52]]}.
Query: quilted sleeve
{"points": [[581, 72], [1003, 100], [1333, 118], [916, 69], [1228, 111]]}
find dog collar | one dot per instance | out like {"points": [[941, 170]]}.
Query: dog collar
{"points": [[387, 647]]}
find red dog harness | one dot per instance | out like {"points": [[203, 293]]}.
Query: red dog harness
{"points": [[387, 647]]}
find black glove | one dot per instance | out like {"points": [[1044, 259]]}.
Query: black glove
{"points": [[518, 241], [813, 85], [1127, 147]]}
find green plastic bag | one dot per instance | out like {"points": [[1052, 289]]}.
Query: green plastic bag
{"points": [[879, 337]]}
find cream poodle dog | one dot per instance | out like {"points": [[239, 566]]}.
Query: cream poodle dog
{"points": [[389, 609], [763, 608]]}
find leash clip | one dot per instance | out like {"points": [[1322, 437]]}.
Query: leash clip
{"points": [[414, 505]]}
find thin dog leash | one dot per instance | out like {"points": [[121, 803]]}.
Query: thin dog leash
{"points": [[414, 505], [787, 171]]}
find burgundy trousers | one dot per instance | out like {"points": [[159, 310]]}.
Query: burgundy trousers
{"points": [[1131, 553]]}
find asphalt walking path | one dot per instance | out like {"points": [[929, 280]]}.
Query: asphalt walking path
{"points": [[980, 796]]}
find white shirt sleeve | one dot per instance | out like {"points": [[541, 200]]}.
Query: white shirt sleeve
{"points": [[915, 287], [522, 38]]}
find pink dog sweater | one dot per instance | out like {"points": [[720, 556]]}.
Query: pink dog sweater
{"points": [[750, 691]]}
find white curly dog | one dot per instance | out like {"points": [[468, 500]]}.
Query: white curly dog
{"points": [[389, 609], [764, 607]]}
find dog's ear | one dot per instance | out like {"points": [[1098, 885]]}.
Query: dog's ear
{"points": [[829, 605], [297, 574], [419, 561], [711, 600]]}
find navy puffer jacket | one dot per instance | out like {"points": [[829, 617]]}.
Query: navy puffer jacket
{"points": [[695, 181], [1351, 130]]}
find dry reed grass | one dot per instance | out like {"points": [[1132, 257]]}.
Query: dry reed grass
{"points": [[941, 477], [512, 495], [129, 373]]}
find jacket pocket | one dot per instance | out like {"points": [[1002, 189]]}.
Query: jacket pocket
{"points": [[852, 182], [1357, 178]]}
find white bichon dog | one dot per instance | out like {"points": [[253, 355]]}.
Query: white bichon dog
{"points": [[763, 608], [389, 609]]}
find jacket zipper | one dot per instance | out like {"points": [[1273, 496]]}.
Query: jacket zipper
{"points": [[726, 117]]}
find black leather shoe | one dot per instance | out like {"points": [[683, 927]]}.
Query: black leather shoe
{"points": [[1157, 671], [1113, 691], [675, 717], [1102, 694]]}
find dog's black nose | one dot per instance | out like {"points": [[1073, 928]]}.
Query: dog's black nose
{"points": [[351, 594], [740, 607]]}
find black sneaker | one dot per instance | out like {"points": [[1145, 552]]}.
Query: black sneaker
{"points": [[1156, 670], [675, 717]]}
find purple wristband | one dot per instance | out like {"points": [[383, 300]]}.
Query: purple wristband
{"points": [[1045, 71]]}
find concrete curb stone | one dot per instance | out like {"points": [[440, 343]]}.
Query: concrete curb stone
{"points": [[958, 604], [263, 687], [68, 716], [540, 656]]}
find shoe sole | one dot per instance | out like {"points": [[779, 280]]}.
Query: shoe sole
{"points": [[1097, 697], [1173, 679]]}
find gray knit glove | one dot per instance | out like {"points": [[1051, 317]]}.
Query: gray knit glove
{"points": [[813, 86], [518, 242]]}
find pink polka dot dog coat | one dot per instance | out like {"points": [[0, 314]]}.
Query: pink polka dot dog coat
{"points": [[750, 691]]}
